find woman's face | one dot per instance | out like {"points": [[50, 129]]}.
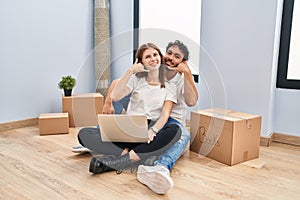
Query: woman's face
{"points": [[151, 59]]}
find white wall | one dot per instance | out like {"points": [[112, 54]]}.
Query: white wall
{"points": [[40, 41], [239, 37], [287, 112], [121, 36]]}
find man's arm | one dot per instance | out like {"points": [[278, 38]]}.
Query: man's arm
{"points": [[108, 107], [190, 90]]}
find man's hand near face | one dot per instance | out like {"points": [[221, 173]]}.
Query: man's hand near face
{"points": [[183, 68]]}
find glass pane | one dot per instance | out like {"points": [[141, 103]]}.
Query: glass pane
{"points": [[165, 21]]}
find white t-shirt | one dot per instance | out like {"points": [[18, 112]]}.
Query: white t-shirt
{"points": [[148, 99], [178, 110]]}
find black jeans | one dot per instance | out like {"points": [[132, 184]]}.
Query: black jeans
{"points": [[165, 138]]}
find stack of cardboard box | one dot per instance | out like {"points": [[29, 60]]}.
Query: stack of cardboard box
{"points": [[77, 111]]}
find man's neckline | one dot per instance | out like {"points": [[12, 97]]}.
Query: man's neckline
{"points": [[169, 77]]}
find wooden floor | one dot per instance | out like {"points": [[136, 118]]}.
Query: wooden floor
{"points": [[43, 167]]}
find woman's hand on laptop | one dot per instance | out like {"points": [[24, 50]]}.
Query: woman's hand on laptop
{"points": [[151, 135]]}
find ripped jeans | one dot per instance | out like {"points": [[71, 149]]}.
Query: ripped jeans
{"points": [[169, 158]]}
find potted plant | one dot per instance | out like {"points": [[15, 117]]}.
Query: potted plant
{"points": [[67, 83]]}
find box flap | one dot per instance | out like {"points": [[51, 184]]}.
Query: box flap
{"points": [[242, 115], [53, 115], [230, 115], [86, 95]]}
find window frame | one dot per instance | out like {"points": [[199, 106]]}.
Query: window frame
{"points": [[284, 48], [136, 26]]}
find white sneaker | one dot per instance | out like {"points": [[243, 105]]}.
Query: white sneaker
{"points": [[157, 178], [80, 149]]}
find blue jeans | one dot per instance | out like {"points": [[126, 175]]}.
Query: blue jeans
{"points": [[122, 103], [169, 158]]}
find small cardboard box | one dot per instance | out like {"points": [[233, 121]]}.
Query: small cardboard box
{"points": [[53, 123], [83, 108], [226, 136]]}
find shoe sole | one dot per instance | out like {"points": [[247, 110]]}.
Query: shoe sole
{"points": [[80, 150], [155, 180], [92, 165]]}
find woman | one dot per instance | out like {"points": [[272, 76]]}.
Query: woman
{"points": [[144, 79]]}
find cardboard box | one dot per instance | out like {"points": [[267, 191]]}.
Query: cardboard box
{"points": [[53, 123], [226, 136], [83, 108]]}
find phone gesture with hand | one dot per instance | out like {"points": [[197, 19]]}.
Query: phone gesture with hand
{"points": [[181, 68], [138, 67]]}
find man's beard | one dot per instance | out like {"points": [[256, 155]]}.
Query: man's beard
{"points": [[168, 66]]}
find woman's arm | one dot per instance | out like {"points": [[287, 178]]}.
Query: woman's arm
{"points": [[160, 123], [121, 89]]}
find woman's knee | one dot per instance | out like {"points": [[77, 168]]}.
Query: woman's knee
{"points": [[174, 129], [87, 133]]}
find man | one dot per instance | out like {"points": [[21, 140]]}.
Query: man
{"points": [[157, 177]]}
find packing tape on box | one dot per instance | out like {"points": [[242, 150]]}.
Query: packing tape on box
{"points": [[229, 114]]}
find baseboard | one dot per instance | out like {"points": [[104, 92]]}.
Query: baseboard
{"points": [[280, 138], [266, 141], [286, 139], [18, 124]]}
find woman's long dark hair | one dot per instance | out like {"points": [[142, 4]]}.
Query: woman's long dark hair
{"points": [[139, 56]]}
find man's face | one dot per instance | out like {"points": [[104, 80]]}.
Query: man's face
{"points": [[173, 56]]}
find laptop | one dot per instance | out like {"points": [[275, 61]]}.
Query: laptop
{"points": [[123, 128]]}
